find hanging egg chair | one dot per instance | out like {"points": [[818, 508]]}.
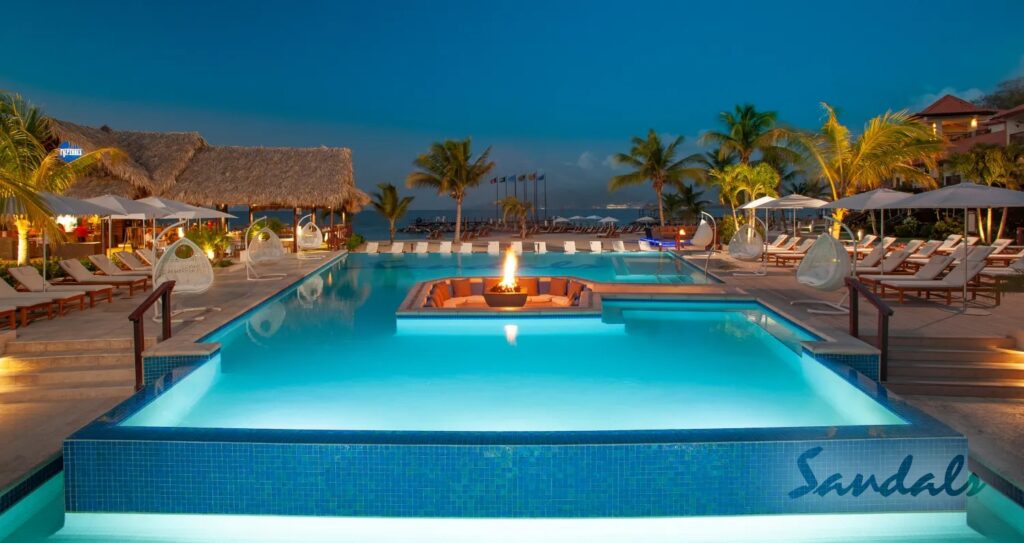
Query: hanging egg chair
{"points": [[186, 264], [746, 244], [704, 235], [825, 266], [310, 237], [265, 246]]}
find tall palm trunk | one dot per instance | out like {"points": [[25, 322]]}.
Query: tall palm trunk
{"points": [[661, 204], [458, 218], [1002, 223], [522, 225], [391, 230], [23, 227]]}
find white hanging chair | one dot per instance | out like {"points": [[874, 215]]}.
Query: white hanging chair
{"points": [[746, 244], [309, 237], [703, 236], [263, 247], [186, 264], [825, 266]]}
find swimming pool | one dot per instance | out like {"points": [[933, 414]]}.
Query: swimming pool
{"points": [[323, 402]]}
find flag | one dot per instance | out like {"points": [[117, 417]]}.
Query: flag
{"points": [[494, 180], [522, 177], [540, 177], [533, 176], [501, 179]]}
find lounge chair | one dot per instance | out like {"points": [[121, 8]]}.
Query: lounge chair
{"points": [[645, 246], [133, 263], [1015, 269], [864, 243], [1005, 258], [10, 314], [79, 275], [796, 255], [148, 255], [106, 267], [517, 247], [949, 243], [619, 246], [397, 247], [779, 240], [889, 264], [929, 271], [884, 244], [372, 247], [1000, 245], [595, 247], [445, 248], [952, 282], [29, 309], [466, 248], [786, 246], [970, 241], [493, 248], [421, 247], [63, 300], [874, 257], [569, 247], [28, 277], [540, 247]]}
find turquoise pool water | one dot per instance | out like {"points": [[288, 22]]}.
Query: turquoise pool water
{"points": [[40, 518], [331, 354]]}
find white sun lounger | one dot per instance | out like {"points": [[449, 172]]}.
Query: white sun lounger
{"points": [[372, 247], [517, 247], [595, 246], [31, 299], [929, 271], [147, 254], [1015, 268], [569, 247], [645, 246], [493, 247], [109, 268], [953, 281], [421, 247], [28, 277], [540, 247], [133, 263], [889, 264], [466, 248], [79, 274], [779, 240], [619, 246], [951, 241], [397, 247], [445, 248]]}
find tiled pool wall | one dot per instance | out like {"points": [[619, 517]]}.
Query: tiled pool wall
{"points": [[866, 364], [156, 366], [521, 480]]}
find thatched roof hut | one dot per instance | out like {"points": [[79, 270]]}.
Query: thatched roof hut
{"points": [[320, 176], [183, 166]]}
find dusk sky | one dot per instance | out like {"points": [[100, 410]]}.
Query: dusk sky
{"points": [[552, 86]]}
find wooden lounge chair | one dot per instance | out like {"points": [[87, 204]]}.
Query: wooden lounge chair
{"points": [[889, 264], [29, 309], [950, 283], [864, 243], [1005, 258], [796, 255], [466, 248], [929, 271], [107, 267], [79, 275], [133, 263], [372, 247], [148, 255], [779, 240], [397, 247], [786, 246], [9, 313], [63, 300], [29, 278], [595, 247]]}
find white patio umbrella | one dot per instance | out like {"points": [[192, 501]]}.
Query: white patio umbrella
{"points": [[124, 208], [576, 218], [963, 196], [646, 219], [181, 210], [593, 217], [794, 202], [872, 199], [559, 219], [608, 220]]}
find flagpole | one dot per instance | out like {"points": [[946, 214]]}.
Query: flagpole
{"points": [[497, 213], [515, 186], [545, 197]]}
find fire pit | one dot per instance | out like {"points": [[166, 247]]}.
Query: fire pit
{"points": [[507, 293]]}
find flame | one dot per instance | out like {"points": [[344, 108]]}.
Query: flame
{"points": [[682, 231], [210, 254], [508, 275]]}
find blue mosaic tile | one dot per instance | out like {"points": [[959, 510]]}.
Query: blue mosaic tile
{"points": [[157, 366], [39, 475], [867, 364]]}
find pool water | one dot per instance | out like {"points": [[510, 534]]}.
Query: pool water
{"points": [[332, 355], [40, 518]]}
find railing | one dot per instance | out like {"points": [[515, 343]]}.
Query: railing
{"points": [[858, 289], [162, 293]]}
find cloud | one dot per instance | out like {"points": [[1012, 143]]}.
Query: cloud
{"points": [[926, 99], [586, 161], [609, 162]]}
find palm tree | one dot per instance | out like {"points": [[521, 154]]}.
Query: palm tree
{"points": [[388, 204], [655, 162], [449, 168], [748, 131], [27, 168], [517, 209], [812, 188], [684, 204], [742, 183], [891, 146], [994, 166]]}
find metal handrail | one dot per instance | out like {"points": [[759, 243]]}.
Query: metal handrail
{"points": [[857, 289], [162, 293]]}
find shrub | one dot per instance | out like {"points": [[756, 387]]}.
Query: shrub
{"points": [[727, 227], [353, 241], [910, 227], [947, 226]]}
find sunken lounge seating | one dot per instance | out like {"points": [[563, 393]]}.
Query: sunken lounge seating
{"points": [[541, 291]]}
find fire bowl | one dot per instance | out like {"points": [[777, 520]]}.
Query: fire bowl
{"points": [[505, 299]]}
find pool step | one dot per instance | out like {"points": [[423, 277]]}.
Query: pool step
{"points": [[32, 371], [978, 367]]}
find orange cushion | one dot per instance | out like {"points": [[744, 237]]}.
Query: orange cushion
{"points": [[439, 294], [490, 282], [558, 286], [530, 284], [462, 288], [575, 288]]}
